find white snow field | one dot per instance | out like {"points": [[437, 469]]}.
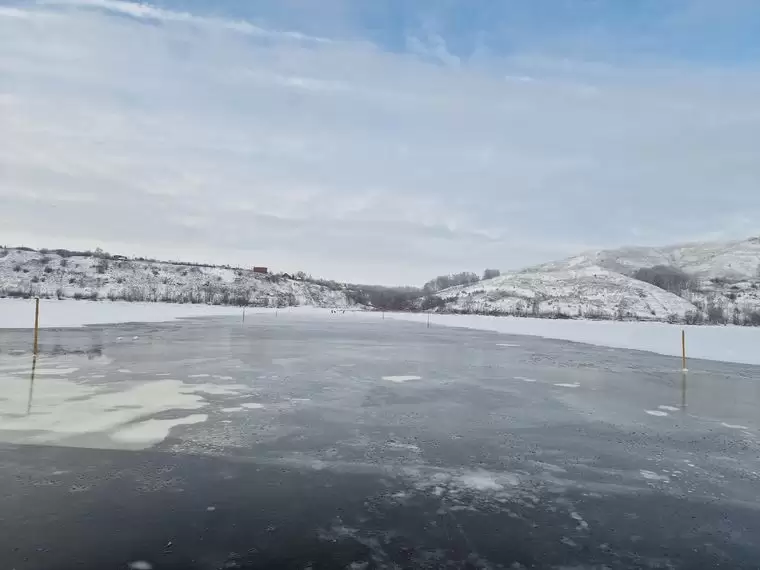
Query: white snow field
{"points": [[722, 343], [19, 313]]}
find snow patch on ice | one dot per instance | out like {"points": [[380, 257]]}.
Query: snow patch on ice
{"points": [[405, 446], [151, 432], [252, 405], [652, 476], [199, 376], [400, 379], [62, 408], [480, 481], [659, 413], [733, 426], [669, 408], [233, 409], [524, 379], [507, 345], [219, 389], [582, 524], [567, 385], [54, 371]]}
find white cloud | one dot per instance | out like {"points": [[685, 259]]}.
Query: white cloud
{"points": [[166, 133]]}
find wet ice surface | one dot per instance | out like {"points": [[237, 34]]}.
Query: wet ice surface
{"points": [[338, 441]]}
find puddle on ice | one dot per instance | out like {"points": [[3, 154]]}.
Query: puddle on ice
{"points": [[401, 379]]}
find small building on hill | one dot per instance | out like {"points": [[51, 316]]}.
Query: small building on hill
{"points": [[263, 270]]}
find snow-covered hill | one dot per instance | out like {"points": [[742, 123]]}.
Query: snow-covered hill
{"points": [[590, 292], [720, 283], [25, 273], [733, 260]]}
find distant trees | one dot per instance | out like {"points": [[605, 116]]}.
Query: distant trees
{"points": [[716, 315], [102, 265], [491, 273], [665, 277], [384, 298], [445, 281]]}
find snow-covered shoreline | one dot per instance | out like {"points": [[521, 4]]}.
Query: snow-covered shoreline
{"points": [[722, 343], [67, 313]]}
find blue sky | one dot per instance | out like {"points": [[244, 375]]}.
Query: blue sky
{"points": [[715, 32], [378, 141]]}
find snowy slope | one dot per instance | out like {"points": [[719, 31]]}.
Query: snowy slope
{"points": [[590, 292], [25, 273], [726, 275], [709, 260]]}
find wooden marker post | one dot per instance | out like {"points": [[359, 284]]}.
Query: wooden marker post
{"points": [[683, 350], [36, 323]]}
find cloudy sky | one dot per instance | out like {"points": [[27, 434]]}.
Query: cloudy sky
{"points": [[378, 141]]}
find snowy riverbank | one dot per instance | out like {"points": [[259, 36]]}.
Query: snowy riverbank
{"points": [[723, 343]]}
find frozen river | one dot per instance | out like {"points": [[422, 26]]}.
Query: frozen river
{"points": [[345, 441]]}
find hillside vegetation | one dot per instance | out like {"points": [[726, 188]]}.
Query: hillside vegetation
{"points": [[716, 283], [98, 275]]}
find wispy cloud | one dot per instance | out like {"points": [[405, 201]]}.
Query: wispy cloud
{"points": [[166, 132], [148, 12]]}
